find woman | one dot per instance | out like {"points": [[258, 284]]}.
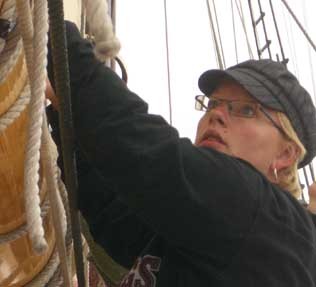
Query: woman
{"points": [[222, 212]]}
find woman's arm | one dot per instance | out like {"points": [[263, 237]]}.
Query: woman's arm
{"points": [[189, 196]]}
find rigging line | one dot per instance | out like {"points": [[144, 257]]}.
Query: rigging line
{"points": [[254, 29], [309, 51], [284, 60], [306, 180], [112, 11], [312, 171], [242, 19], [291, 43], [265, 30], [168, 61], [234, 30], [299, 25], [219, 34], [83, 18], [218, 55]]}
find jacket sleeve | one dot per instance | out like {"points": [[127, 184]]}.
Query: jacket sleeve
{"points": [[189, 196]]}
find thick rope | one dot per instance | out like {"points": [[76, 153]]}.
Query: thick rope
{"points": [[50, 275], [10, 63], [37, 74], [15, 110], [49, 157], [100, 26], [22, 230]]}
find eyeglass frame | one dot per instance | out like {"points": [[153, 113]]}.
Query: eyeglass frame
{"points": [[258, 107]]}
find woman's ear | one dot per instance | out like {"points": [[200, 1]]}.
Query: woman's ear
{"points": [[287, 156]]}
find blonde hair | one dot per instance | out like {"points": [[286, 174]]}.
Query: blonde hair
{"points": [[288, 177]]}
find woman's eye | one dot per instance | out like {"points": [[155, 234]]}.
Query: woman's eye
{"points": [[247, 111], [212, 104]]}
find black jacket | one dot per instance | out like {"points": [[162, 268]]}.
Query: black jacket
{"points": [[174, 213]]}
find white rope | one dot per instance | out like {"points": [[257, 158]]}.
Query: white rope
{"points": [[50, 276], [15, 110], [49, 156], [8, 66], [37, 74], [100, 26], [22, 230]]}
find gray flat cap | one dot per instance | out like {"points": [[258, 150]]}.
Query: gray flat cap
{"points": [[271, 84]]}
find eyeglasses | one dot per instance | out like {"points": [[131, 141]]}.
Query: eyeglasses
{"points": [[244, 109]]}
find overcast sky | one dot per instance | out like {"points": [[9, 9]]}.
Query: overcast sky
{"points": [[141, 29], [140, 26]]}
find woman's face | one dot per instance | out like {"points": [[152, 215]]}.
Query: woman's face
{"points": [[255, 140]]}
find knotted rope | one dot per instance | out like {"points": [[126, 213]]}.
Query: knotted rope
{"points": [[101, 27]]}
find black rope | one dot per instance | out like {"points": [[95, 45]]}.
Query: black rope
{"points": [[61, 76]]}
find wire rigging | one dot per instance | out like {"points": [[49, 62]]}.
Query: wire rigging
{"points": [[291, 43], [219, 34], [168, 61], [311, 67], [217, 50], [234, 30], [242, 19], [299, 25], [284, 60]]}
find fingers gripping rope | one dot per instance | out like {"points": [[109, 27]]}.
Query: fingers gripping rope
{"points": [[100, 26], [34, 42]]}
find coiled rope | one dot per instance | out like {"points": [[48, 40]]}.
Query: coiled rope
{"points": [[35, 43], [101, 28]]}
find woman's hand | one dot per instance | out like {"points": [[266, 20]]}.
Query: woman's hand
{"points": [[50, 94]]}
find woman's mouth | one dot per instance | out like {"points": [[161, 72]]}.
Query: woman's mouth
{"points": [[212, 139]]}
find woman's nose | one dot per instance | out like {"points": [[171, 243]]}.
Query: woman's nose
{"points": [[219, 115]]}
